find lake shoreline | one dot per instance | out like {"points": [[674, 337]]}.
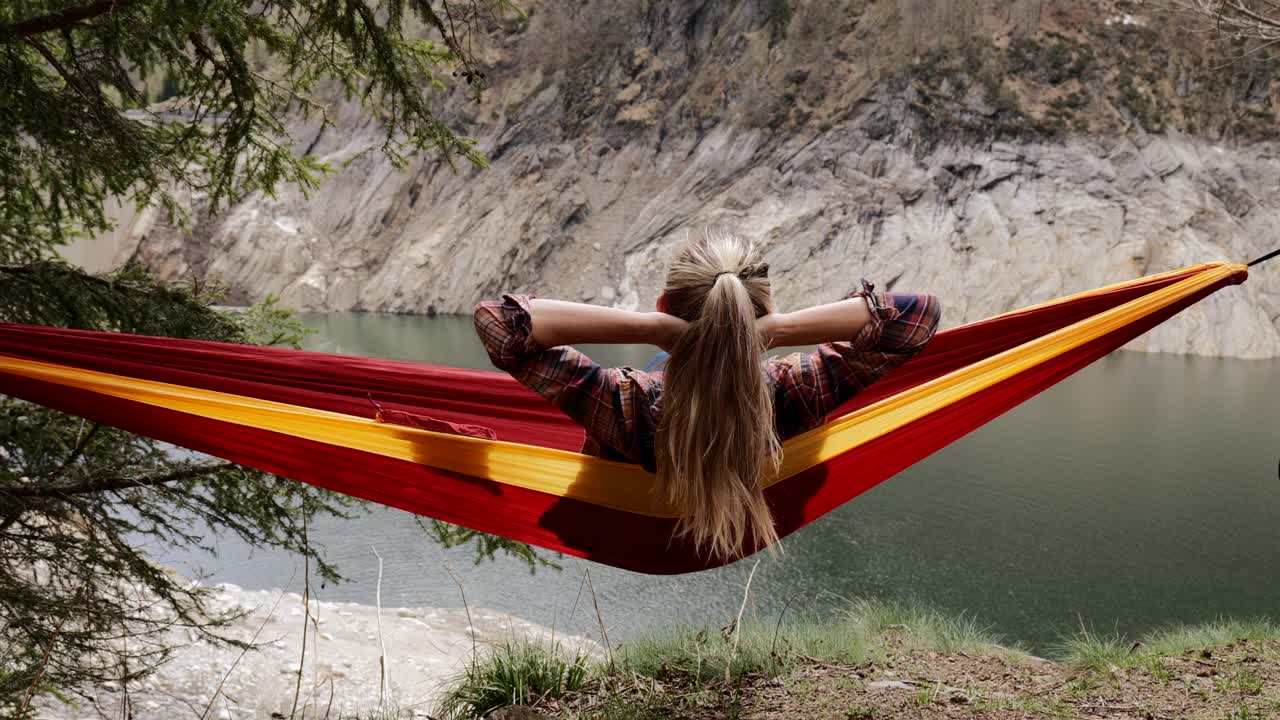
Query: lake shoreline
{"points": [[425, 648], [882, 660]]}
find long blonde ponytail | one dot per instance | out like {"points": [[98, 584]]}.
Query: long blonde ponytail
{"points": [[716, 443]]}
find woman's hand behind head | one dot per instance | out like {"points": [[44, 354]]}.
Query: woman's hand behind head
{"points": [[769, 327], [667, 329]]}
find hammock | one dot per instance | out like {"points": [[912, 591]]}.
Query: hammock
{"points": [[322, 419]]}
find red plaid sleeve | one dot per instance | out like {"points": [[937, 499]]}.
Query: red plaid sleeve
{"points": [[605, 401], [808, 386]]}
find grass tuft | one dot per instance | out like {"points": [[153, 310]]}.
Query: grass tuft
{"points": [[703, 655], [518, 672], [762, 648], [921, 627], [1181, 638], [1091, 650]]}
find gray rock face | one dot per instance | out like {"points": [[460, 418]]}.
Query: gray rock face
{"points": [[591, 185], [988, 229]]}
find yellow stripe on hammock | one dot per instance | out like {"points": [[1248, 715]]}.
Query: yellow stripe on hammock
{"points": [[603, 482]]}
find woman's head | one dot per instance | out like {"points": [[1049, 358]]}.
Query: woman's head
{"points": [[697, 266], [716, 443]]}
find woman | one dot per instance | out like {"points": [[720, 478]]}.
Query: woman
{"points": [[708, 420]]}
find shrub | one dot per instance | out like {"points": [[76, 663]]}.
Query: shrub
{"points": [[520, 672]]}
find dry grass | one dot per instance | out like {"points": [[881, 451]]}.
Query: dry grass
{"points": [[893, 661]]}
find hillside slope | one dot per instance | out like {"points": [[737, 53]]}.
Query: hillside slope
{"points": [[997, 153]]}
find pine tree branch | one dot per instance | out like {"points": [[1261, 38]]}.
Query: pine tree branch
{"points": [[30, 271], [94, 485], [72, 81], [82, 441], [9, 518], [61, 19]]}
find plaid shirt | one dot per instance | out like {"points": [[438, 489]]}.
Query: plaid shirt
{"points": [[620, 407]]}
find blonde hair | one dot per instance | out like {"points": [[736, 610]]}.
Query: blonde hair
{"points": [[716, 444]]}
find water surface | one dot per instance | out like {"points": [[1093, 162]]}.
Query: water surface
{"points": [[1140, 492]]}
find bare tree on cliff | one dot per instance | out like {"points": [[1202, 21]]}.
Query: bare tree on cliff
{"points": [[77, 127], [1237, 19]]}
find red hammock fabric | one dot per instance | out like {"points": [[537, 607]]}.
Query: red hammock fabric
{"points": [[490, 400]]}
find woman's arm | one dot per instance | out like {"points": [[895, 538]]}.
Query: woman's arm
{"points": [[590, 394], [894, 328], [556, 322], [828, 323]]}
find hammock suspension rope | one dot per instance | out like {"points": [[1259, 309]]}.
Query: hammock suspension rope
{"points": [[1264, 258]]}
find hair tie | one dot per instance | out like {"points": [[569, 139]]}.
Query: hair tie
{"points": [[760, 270]]}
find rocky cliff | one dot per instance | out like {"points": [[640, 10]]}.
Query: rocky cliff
{"points": [[996, 153]]}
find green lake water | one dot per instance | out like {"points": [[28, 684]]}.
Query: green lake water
{"points": [[1142, 491]]}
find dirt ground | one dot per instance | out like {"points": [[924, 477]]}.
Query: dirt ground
{"points": [[1238, 681]]}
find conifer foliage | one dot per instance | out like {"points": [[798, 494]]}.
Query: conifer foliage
{"points": [[147, 101], [77, 124]]}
